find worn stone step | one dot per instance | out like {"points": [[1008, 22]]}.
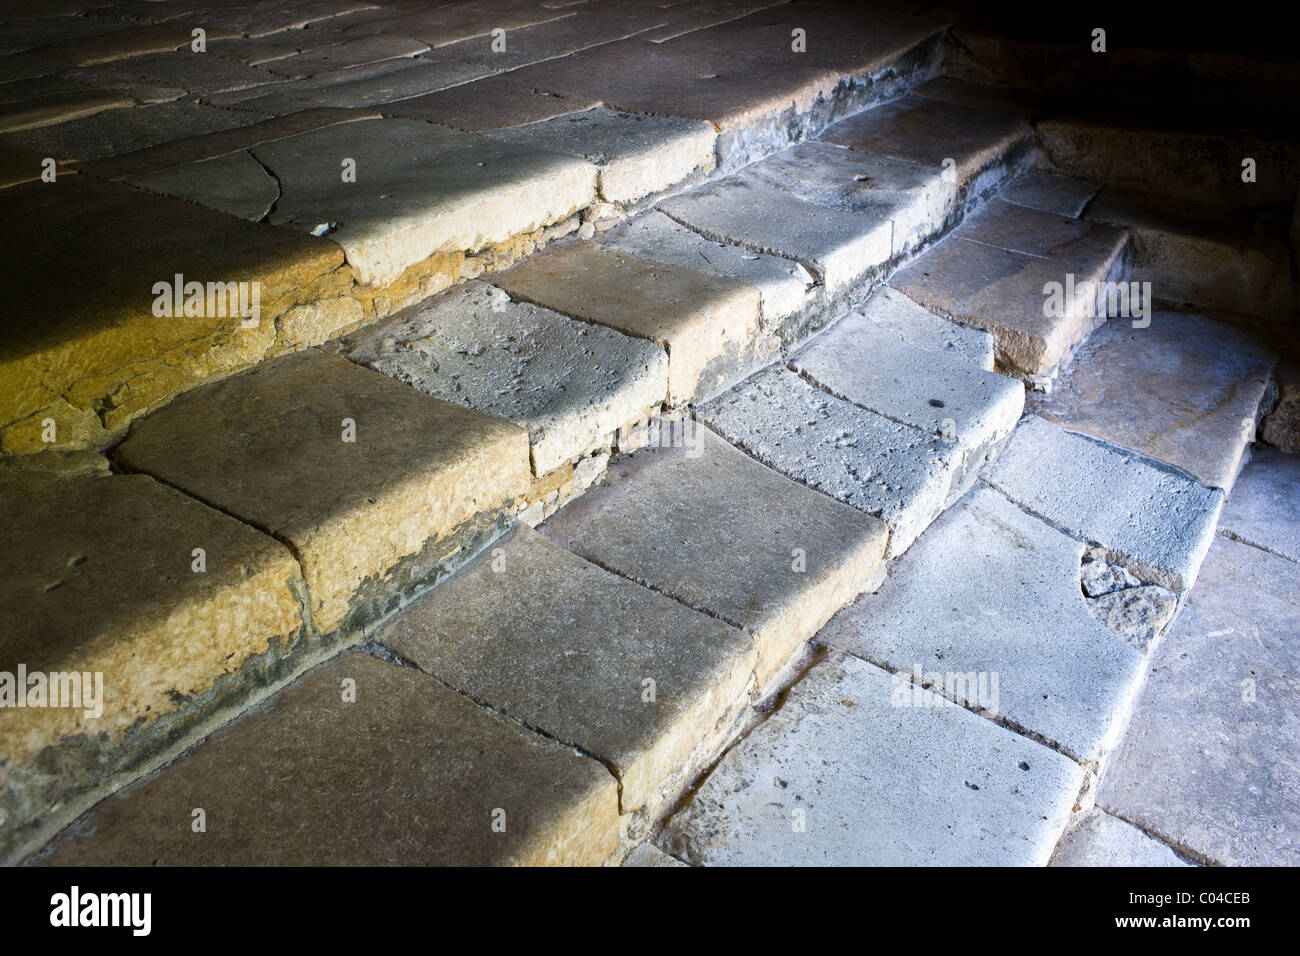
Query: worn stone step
{"points": [[885, 468], [701, 522], [1185, 389], [571, 384], [373, 484], [359, 763], [1035, 280], [1100, 839], [852, 743], [635, 679], [1261, 509], [708, 325], [157, 610]]}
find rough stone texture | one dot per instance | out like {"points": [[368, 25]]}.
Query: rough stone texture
{"points": [[571, 384], [890, 310], [1207, 764], [1050, 192], [1281, 426], [786, 288], [236, 184], [1100, 839], [709, 326], [267, 445], [939, 392], [985, 145], [132, 41], [647, 854], [840, 776], [1264, 507], [637, 155], [989, 591], [840, 247], [91, 354], [419, 190], [703, 523], [563, 646], [1186, 390], [1137, 614], [409, 774], [882, 467], [1152, 518], [50, 110]]}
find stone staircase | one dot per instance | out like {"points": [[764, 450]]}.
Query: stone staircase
{"points": [[743, 333]]}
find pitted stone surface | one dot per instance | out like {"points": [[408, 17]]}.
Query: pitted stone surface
{"points": [[1149, 516], [840, 247], [890, 310], [419, 190], [841, 776], [1186, 390], [1050, 192], [708, 325], [269, 446], [416, 775], [236, 184], [882, 467], [1100, 839], [571, 384], [1262, 509], [1207, 763], [704, 523], [992, 593], [548, 639]]}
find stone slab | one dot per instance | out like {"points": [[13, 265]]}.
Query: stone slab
{"points": [[708, 325], [890, 310], [1264, 507], [1154, 519], [58, 108], [1050, 192], [559, 644], [1208, 761], [352, 52], [1018, 228], [1186, 390], [235, 183], [410, 773], [704, 523], [268, 445], [887, 469], [570, 384], [1100, 839], [128, 42], [841, 777], [647, 854]]}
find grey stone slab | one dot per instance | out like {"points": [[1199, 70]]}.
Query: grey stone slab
{"points": [[571, 384], [353, 52], [1050, 192], [841, 248], [786, 287], [857, 768], [988, 605], [1264, 507], [647, 854], [59, 107], [1100, 839], [1154, 519], [408, 773], [354, 87], [236, 184], [1208, 762], [704, 523], [1186, 390], [544, 637], [25, 66], [419, 190], [198, 73], [637, 155], [891, 310], [940, 393], [1032, 231], [885, 468]]}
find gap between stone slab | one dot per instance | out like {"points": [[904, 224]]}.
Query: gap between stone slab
{"points": [[1180, 850], [1233, 536], [826, 389], [807, 264], [279, 186]]}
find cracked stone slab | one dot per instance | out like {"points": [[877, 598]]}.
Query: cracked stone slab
{"points": [[563, 646], [1186, 390], [1261, 510], [841, 776], [1100, 839], [419, 190], [988, 607], [356, 87], [99, 576], [636, 155], [890, 310], [269, 446], [58, 108], [1207, 763], [353, 52], [786, 288], [417, 776], [236, 184], [706, 524], [940, 392], [1155, 519], [708, 325], [1034, 232], [841, 248], [570, 384], [887, 469], [1050, 192]]}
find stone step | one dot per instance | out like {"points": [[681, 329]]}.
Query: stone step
{"points": [[406, 771]]}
